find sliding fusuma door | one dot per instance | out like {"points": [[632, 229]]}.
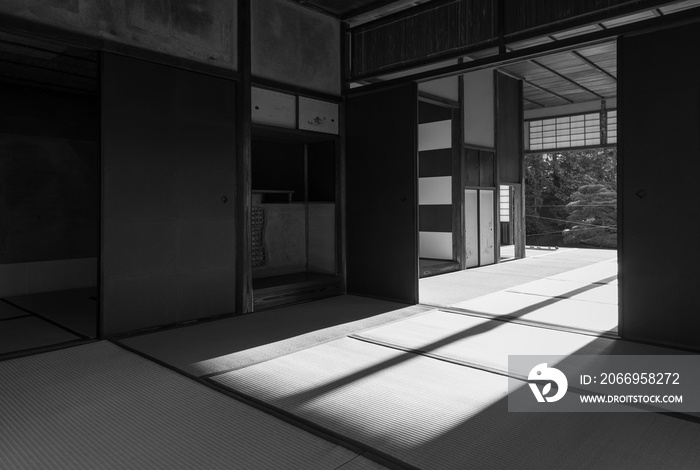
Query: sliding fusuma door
{"points": [[168, 165], [381, 194]]}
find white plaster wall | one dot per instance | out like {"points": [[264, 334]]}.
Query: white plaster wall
{"points": [[479, 114]]}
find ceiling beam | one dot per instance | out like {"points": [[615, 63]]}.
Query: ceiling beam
{"points": [[564, 77], [589, 62], [592, 64], [689, 16], [534, 102], [50, 69], [534, 85], [312, 6], [378, 5], [560, 75]]}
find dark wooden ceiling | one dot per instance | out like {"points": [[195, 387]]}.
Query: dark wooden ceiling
{"points": [[40, 64], [346, 9]]}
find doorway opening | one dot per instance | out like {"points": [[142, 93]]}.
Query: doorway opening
{"points": [[561, 203], [571, 198], [49, 194], [294, 219]]}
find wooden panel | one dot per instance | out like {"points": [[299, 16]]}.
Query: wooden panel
{"points": [[203, 31], [295, 45], [486, 169], [471, 167], [431, 29], [526, 15], [382, 197], [321, 238], [318, 116], [509, 129], [435, 218], [659, 118], [435, 163], [168, 165], [273, 108]]}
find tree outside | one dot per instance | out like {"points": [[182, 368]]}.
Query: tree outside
{"points": [[571, 198]]}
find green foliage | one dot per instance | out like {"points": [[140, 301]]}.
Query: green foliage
{"points": [[593, 214], [554, 180]]}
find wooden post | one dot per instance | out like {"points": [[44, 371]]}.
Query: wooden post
{"points": [[244, 273]]}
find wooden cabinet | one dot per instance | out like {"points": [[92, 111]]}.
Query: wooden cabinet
{"points": [[273, 108]]}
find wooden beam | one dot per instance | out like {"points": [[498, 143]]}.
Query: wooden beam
{"points": [[438, 100], [564, 77], [458, 242], [592, 64], [244, 265], [367, 8], [689, 16], [534, 102], [534, 85]]}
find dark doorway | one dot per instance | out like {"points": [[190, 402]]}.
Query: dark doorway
{"points": [[294, 218], [49, 194]]}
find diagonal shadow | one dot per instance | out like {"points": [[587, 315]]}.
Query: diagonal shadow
{"points": [[490, 325]]}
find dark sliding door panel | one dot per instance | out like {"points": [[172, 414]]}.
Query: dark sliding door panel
{"points": [[659, 106], [382, 195], [168, 164]]}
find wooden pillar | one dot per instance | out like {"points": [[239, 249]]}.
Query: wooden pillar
{"points": [[244, 273]]}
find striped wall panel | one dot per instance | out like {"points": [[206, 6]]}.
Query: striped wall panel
{"points": [[435, 181]]}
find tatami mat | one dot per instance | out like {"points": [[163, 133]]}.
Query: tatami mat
{"points": [[452, 288], [603, 272], [487, 343], [437, 415], [76, 309], [99, 407], [10, 311], [236, 342], [601, 293], [29, 332], [362, 463], [558, 312]]}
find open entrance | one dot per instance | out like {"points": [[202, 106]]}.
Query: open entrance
{"points": [[571, 198], [294, 218], [559, 201], [49, 194]]}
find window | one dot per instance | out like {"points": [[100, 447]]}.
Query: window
{"points": [[580, 130], [612, 127]]}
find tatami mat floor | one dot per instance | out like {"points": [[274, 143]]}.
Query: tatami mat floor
{"points": [[35, 321], [98, 406], [347, 382], [566, 288]]}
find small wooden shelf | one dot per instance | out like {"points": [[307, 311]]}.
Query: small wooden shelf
{"points": [[290, 288], [263, 192]]}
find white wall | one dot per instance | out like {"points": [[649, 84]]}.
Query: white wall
{"points": [[479, 103]]}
